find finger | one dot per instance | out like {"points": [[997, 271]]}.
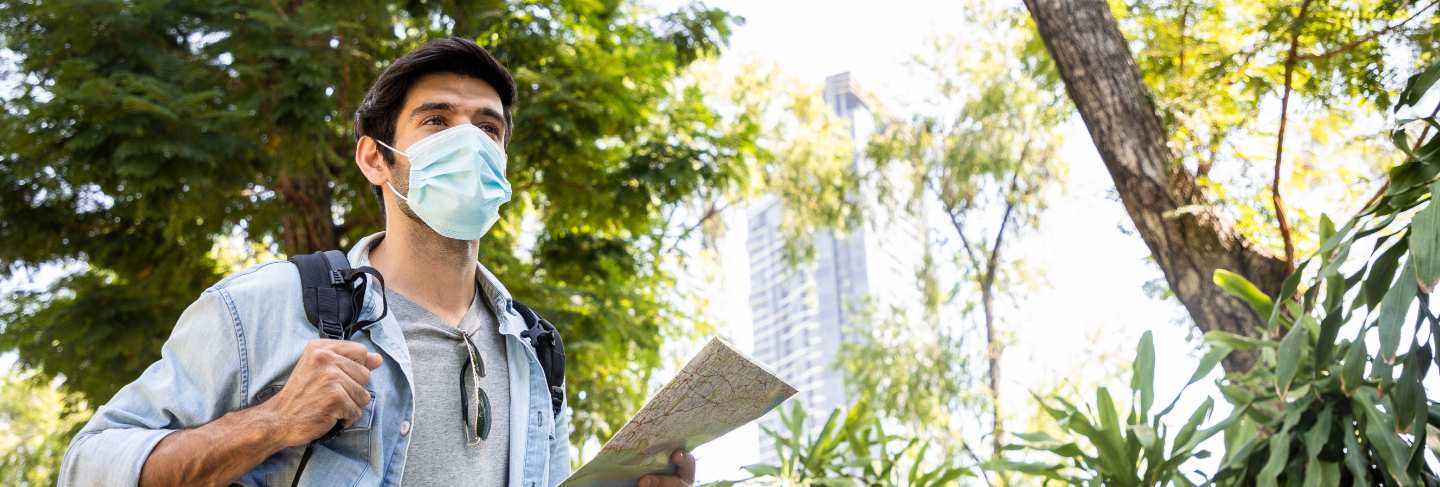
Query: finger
{"points": [[351, 350], [372, 360], [685, 465], [662, 481], [354, 371], [354, 394], [347, 413]]}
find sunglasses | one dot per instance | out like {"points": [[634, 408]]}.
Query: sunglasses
{"points": [[476, 419]]}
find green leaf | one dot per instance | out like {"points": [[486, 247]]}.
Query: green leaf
{"points": [[1327, 233], [1032, 468], [1279, 443], [1408, 388], [1043, 441], [1357, 458], [1289, 358], [1325, 343], [1107, 438], [1315, 440], [825, 440], [1392, 312], [1334, 290], [1288, 288], [1142, 379], [1425, 243], [1145, 434], [762, 470], [1352, 375], [1394, 456], [1189, 445], [949, 476], [1382, 272], [1187, 431], [1417, 85], [1110, 428], [1036, 437], [1207, 364], [1236, 342], [1240, 287]]}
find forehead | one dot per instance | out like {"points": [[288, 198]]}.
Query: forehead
{"points": [[467, 93]]}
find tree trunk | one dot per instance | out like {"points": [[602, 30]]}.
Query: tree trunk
{"points": [[1188, 238], [308, 223], [992, 353]]}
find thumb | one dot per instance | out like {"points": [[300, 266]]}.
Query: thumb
{"points": [[372, 360], [685, 465]]}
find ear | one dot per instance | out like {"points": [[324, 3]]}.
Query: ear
{"points": [[372, 164]]}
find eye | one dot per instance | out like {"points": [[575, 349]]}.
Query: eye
{"points": [[491, 128], [433, 120]]}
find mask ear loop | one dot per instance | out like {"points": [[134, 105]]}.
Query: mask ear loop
{"points": [[365, 273]]}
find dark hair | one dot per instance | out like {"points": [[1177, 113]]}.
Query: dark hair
{"points": [[381, 107]]}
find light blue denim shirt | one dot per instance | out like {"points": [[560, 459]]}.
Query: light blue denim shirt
{"points": [[245, 333]]}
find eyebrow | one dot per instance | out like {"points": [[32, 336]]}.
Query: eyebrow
{"points": [[440, 106]]}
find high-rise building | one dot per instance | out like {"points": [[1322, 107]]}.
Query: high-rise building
{"points": [[802, 311]]}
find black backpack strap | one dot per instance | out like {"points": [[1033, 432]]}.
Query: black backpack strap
{"points": [[323, 290], [549, 349], [332, 302]]}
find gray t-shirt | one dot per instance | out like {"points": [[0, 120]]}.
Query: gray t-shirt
{"points": [[441, 453]]}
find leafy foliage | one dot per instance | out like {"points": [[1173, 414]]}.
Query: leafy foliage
{"points": [[850, 449], [1321, 406], [1217, 70], [1142, 451], [984, 147], [39, 420], [142, 137]]}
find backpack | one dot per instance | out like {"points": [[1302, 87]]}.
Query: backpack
{"points": [[333, 304]]}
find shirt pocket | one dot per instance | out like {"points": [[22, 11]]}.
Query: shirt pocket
{"points": [[354, 442]]}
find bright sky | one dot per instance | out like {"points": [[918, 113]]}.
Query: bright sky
{"points": [[1081, 325]]}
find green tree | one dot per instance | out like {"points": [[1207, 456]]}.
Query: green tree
{"points": [[142, 136], [36, 422], [1197, 91], [1321, 406], [985, 150]]}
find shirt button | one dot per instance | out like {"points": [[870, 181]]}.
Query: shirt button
{"points": [[404, 428]]}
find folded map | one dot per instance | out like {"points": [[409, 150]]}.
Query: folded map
{"points": [[720, 389]]}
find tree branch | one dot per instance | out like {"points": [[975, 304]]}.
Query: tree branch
{"points": [[1280, 138], [1367, 38], [1188, 237], [993, 261], [710, 213], [954, 213]]}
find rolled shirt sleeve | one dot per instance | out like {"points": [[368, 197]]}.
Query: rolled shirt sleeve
{"points": [[200, 376]]}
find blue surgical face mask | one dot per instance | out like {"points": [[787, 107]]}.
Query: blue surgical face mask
{"points": [[457, 181]]}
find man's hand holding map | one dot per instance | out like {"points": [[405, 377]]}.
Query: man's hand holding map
{"points": [[719, 390]]}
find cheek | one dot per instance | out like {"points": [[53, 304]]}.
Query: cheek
{"points": [[400, 174]]}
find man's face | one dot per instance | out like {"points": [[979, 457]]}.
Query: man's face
{"points": [[436, 102]]}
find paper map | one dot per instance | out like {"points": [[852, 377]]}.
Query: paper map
{"points": [[719, 390]]}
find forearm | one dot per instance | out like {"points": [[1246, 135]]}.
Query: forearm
{"points": [[214, 454]]}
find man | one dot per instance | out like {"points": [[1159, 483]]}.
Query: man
{"points": [[244, 384]]}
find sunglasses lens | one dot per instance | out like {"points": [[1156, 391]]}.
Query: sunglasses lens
{"points": [[482, 427]]}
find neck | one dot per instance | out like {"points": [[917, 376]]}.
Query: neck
{"points": [[432, 270]]}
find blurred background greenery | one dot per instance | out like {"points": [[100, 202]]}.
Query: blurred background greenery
{"points": [[150, 148]]}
